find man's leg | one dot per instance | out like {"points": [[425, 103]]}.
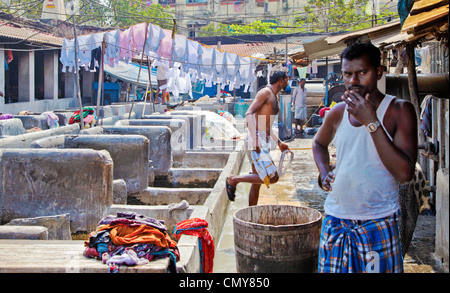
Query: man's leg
{"points": [[163, 97], [253, 195], [156, 95], [301, 125], [256, 182], [296, 126]]}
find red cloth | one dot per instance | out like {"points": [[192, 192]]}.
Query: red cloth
{"points": [[322, 111], [197, 227]]}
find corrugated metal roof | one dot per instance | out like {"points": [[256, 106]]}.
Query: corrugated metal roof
{"points": [[425, 15], [250, 49], [28, 35]]}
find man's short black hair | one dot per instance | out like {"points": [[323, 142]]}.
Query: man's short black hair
{"points": [[278, 72], [359, 49]]}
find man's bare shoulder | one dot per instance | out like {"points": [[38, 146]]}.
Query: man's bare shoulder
{"points": [[402, 106], [337, 111]]}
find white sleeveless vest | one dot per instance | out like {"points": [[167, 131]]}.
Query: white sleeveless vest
{"points": [[363, 188]]}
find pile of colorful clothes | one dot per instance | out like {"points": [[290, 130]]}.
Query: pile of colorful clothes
{"points": [[130, 239], [89, 117]]}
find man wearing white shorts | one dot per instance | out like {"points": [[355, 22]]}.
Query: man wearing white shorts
{"points": [[299, 101]]}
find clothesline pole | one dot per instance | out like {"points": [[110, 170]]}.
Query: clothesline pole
{"points": [[149, 83], [149, 64], [219, 45], [77, 81], [100, 79], [140, 67]]}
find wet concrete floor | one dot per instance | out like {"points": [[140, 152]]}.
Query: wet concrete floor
{"points": [[299, 187]]}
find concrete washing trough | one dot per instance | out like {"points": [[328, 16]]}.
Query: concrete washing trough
{"points": [[197, 175]]}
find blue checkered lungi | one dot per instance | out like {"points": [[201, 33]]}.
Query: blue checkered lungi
{"points": [[360, 246]]}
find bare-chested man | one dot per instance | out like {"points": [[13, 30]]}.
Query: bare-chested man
{"points": [[260, 117]]}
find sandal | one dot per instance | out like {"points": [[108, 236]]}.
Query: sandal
{"points": [[230, 190]]}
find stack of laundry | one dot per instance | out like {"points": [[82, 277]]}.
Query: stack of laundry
{"points": [[130, 239], [89, 117]]}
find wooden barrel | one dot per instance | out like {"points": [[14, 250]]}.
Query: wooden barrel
{"points": [[277, 239]]}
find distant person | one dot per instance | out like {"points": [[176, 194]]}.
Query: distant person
{"points": [[162, 83], [299, 102], [376, 149], [260, 117]]}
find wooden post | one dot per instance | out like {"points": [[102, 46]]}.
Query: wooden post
{"points": [[149, 83], [140, 67], [100, 79], [77, 80], [414, 98]]}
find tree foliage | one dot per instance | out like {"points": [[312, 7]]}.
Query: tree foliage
{"points": [[103, 13], [317, 16], [343, 15]]}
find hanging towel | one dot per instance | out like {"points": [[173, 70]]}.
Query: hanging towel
{"points": [[138, 36], [155, 36], [126, 49], [427, 117]]}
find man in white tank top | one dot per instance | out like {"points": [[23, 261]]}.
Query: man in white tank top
{"points": [[376, 149]]}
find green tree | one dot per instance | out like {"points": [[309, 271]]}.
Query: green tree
{"points": [[103, 13], [343, 15]]}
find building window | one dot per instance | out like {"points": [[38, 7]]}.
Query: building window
{"points": [[196, 1], [166, 2]]}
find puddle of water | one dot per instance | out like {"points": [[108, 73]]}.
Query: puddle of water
{"points": [[224, 259]]}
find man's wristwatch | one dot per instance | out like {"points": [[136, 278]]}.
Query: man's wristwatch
{"points": [[372, 127]]}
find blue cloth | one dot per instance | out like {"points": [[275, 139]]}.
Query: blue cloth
{"points": [[427, 119], [355, 246]]}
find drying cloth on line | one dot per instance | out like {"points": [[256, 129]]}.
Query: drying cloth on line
{"points": [[197, 227]]}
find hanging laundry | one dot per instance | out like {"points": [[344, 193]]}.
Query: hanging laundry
{"points": [[112, 49], [194, 52], [180, 50], [232, 69], [67, 55], [138, 36], [165, 48], [9, 56], [126, 48], [207, 65], [84, 50], [156, 34], [426, 115], [219, 71], [247, 69], [96, 57]]}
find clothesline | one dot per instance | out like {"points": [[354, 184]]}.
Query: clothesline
{"points": [[192, 58], [161, 58]]}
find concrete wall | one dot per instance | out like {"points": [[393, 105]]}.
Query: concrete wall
{"points": [[25, 140], [159, 149], [179, 128], [442, 220], [10, 127], [48, 182], [128, 152]]}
